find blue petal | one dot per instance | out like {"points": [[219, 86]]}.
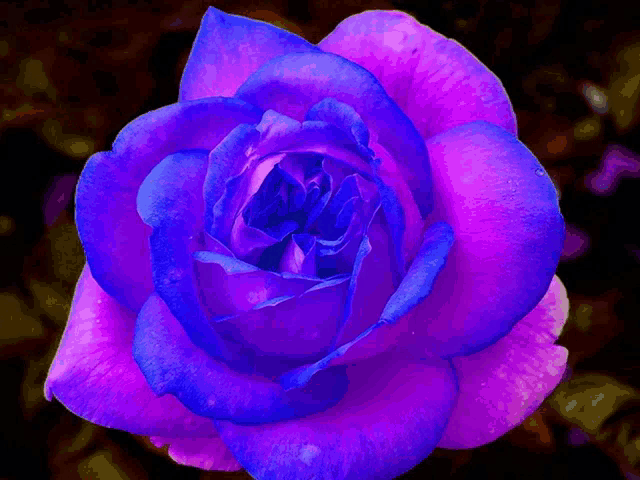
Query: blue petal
{"points": [[169, 200], [172, 364], [278, 83], [225, 179], [418, 282], [396, 224], [229, 48], [173, 185], [341, 115], [413, 289], [114, 237]]}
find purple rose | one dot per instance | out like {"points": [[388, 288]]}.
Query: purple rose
{"points": [[332, 257]]}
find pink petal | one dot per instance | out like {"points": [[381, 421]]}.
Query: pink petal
{"points": [[204, 453], [503, 384], [436, 81], [94, 375]]}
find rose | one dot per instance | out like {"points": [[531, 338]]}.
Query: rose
{"points": [[334, 258]]}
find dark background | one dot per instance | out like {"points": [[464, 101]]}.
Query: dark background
{"points": [[74, 73]]}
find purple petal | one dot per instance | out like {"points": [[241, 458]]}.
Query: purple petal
{"points": [[418, 282], [371, 282], [294, 326], [174, 185], [369, 340], [509, 231], [341, 115], [94, 375], [390, 419], [229, 48], [208, 453], [226, 180], [115, 239], [171, 363], [503, 384], [435, 80], [229, 286], [170, 200], [278, 83], [300, 255]]}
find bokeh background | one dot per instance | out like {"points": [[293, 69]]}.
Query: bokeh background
{"points": [[73, 73]]}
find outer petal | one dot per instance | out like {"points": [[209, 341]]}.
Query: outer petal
{"points": [[509, 232], [390, 419], [115, 239], [229, 48], [503, 384], [204, 453], [171, 363], [435, 80], [94, 375], [278, 83]]}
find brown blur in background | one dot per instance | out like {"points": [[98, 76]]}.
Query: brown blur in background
{"points": [[73, 73]]}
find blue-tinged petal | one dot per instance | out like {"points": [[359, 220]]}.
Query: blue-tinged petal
{"points": [[294, 327], [170, 200], [371, 281], [435, 80], [341, 115], [396, 225], [278, 83], [114, 237], [229, 48], [418, 282], [228, 286], [391, 418], [300, 255], [174, 185], [94, 375], [171, 363], [226, 178], [414, 288], [504, 211]]}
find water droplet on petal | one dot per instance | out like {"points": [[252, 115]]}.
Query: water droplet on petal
{"points": [[539, 172]]}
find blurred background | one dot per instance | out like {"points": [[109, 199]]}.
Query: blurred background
{"points": [[74, 73]]}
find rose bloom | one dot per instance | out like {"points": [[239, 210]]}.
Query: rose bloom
{"points": [[323, 262]]}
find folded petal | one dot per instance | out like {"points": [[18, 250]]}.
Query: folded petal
{"points": [[390, 419], [504, 383], [205, 453], [170, 200], [229, 286], [509, 235], [297, 327], [435, 80], [278, 83], [375, 318], [229, 48], [171, 363], [94, 375], [114, 238]]}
